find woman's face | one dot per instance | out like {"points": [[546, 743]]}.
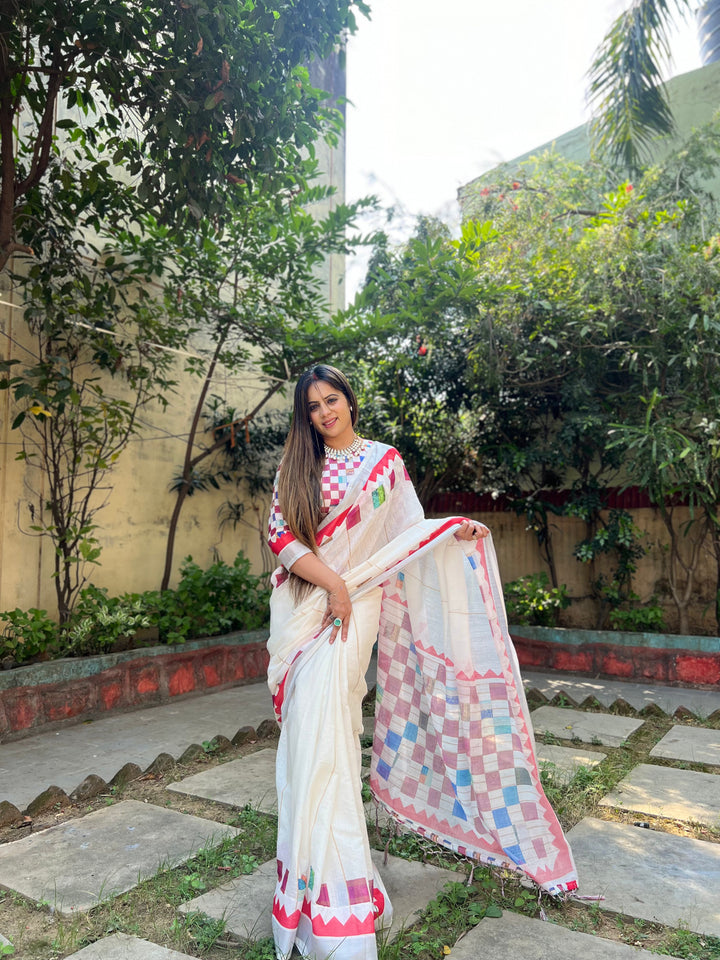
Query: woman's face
{"points": [[330, 414]]}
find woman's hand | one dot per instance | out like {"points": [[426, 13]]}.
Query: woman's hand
{"points": [[339, 607], [471, 530]]}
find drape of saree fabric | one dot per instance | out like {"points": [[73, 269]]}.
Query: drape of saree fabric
{"points": [[453, 751]]}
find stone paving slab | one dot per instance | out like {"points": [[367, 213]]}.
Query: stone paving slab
{"points": [[65, 757], [604, 728], [689, 743], [566, 761], [654, 876], [121, 946], [245, 903], [75, 865], [410, 886], [249, 779], [669, 792], [700, 702], [513, 936]]}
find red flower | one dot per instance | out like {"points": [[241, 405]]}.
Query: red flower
{"points": [[628, 187], [516, 185], [484, 192]]}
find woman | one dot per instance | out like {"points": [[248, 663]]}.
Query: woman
{"points": [[453, 752]]}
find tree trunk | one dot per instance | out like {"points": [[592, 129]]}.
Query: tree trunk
{"points": [[681, 571], [189, 463]]}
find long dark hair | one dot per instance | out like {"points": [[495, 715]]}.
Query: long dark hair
{"points": [[304, 456]]}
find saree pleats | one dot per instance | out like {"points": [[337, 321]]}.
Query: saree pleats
{"points": [[328, 895]]}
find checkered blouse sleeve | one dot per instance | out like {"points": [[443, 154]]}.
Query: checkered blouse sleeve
{"points": [[282, 542]]}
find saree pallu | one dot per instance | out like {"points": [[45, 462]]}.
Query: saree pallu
{"points": [[453, 751]]}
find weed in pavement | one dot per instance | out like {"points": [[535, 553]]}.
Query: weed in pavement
{"points": [[203, 931], [259, 833], [691, 946], [257, 950]]}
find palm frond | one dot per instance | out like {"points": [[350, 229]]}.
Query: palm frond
{"points": [[626, 93]]}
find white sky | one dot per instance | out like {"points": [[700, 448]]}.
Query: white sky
{"points": [[442, 91]]}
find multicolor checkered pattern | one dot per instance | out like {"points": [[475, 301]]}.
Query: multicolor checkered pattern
{"points": [[336, 476], [453, 754]]}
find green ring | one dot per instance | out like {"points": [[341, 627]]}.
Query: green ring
{"points": [[337, 622]]}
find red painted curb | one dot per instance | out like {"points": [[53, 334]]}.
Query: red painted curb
{"points": [[662, 665], [143, 681]]}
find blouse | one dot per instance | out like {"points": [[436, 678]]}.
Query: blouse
{"points": [[335, 479]]}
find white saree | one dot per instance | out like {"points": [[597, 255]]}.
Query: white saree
{"points": [[453, 751]]}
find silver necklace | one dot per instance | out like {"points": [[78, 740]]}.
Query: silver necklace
{"points": [[346, 451]]}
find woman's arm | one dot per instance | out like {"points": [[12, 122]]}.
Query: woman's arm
{"points": [[312, 569]]}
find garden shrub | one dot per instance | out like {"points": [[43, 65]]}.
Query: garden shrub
{"points": [[648, 618], [98, 621], [531, 602], [206, 603], [27, 634]]}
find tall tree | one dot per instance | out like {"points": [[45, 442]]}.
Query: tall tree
{"points": [[133, 135], [94, 355], [412, 384], [258, 287], [579, 303]]}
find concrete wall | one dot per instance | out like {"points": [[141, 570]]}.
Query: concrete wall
{"points": [[330, 75], [133, 523]]}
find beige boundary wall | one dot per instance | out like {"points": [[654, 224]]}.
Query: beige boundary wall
{"points": [[133, 523], [519, 555], [694, 100]]}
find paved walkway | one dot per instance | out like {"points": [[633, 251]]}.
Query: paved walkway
{"points": [[65, 757], [634, 871]]}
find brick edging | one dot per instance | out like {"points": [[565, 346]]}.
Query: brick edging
{"points": [[144, 680]]}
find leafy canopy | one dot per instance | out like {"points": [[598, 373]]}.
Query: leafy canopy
{"points": [[187, 97]]}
